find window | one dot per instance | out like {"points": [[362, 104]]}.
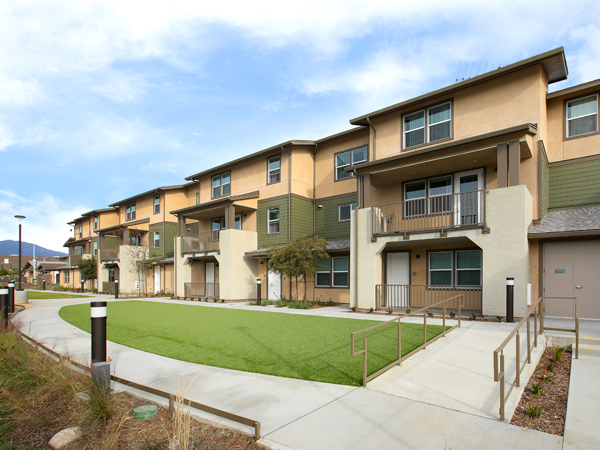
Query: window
{"points": [[67, 276], [197, 198], [156, 239], [460, 268], [217, 225], [111, 274], [80, 231], [346, 159], [582, 116], [421, 127], [156, 204], [414, 197], [273, 221], [274, 169], [135, 239], [221, 185], [332, 273], [130, 211], [440, 190], [95, 222], [238, 221], [344, 212], [95, 248]]}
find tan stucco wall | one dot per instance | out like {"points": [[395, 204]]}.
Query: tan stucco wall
{"points": [[183, 270], [237, 272], [128, 272]]}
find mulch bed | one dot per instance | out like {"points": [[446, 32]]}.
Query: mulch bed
{"points": [[552, 402]]}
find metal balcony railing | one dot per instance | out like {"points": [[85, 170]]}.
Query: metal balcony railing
{"points": [[109, 254], [442, 212], [410, 296], [201, 242], [201, 290]]}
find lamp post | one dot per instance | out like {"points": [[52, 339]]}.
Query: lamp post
{"points": [[20, 219]]}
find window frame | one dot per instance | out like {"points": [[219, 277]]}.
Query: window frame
{"points": [[351, 161], [95, 222], [567, 135], [355, 204], [156, 238], [130, 211], [278, 170], [429, 269], [427, 125], [330, 271], [221, 184], [67, 276], [95, 248], [454, 270], [155, 204], [80, 231], [479, 269], [278, 220]]}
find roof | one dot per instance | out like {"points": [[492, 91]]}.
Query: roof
{"points": [[89, 213], [337, 135], [342, 245], [227, 199], [580, 221], [248, 157], [46, 265], [554, 64], [123, 225], [151, 191], [573, 89]]}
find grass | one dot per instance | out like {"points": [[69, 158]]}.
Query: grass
{"points": [[48, 295], [287, 345]]}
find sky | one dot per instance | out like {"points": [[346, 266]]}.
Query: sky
{"points": [[102, 100]]}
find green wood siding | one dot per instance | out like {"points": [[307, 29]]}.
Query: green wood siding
{"points": [[302, 217], [168, 231], [111, 241], [544, 183], [574, 185], [193, 227], [328, 226], [268, 240]]}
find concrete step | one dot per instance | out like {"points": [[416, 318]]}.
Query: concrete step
{"points": [[587, 345]]}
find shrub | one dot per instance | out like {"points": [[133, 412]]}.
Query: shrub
{"points": [[559, 352], [534, 411]]}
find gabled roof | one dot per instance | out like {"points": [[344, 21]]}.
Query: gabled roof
{"points": [[573, 89], [554, 64], [568, 222], [152, 191]]}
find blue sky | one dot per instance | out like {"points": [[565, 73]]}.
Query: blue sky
{"points": [[103, 100]]}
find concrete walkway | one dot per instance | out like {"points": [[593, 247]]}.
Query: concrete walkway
{"points": [[442, 397]]}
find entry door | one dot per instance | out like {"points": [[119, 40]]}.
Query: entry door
{"points": [[156, 279], [209, 278], [571, 270], [397, 280], [468, 208], [274, 282]]}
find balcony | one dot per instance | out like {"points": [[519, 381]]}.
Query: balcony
{"points": [[201, 242], [201, 290], [74, 260], [404, 297], [109, 254], [443, 212]]}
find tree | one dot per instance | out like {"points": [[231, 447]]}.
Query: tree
{"points": [[135, 258], [88, 268], [299, 259]]}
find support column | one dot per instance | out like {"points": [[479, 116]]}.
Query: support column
{"points": [[514, 163], [181, 225], [502, 173]]}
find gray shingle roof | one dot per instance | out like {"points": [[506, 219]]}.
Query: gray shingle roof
{"points": [[569, 220]]}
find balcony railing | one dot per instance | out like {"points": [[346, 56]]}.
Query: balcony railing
{"points": [[74, 260], [201, 242], [443, 212], [109, 254], [403, 297], [201, 290]]}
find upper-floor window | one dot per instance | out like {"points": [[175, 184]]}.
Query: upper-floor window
{"points": [[80, 231], [582, 116], [130, 211], [156, 204], [346, 159], [427, 126], [221, 185], [197, 198], [274, 169], [344, 212], [273, 221], [95, 222], [157, 239], [95, 248]]}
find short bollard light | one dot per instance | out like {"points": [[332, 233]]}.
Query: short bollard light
{"points": [[43, 285], [4, 306], [510, 299], [116, 288], [100, 369], [258, 294], [82, 283], [11, 297]]}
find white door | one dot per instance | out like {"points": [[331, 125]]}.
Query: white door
{"points": [[156, 279], [274, 283], [209, 278], [396, 294], [468, 205]]}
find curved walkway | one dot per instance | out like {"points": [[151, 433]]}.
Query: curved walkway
{"points": [[443, 397]]}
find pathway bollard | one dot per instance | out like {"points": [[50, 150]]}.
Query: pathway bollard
{"points": [[82, 283], [116, 288], [43, 285], [11, 297], [258, 295], [100, 368], [4, 306], [510, 300]]}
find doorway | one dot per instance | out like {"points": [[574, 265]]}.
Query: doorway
{"points": [[274, 286], [468, 209], [397, 280], [156, 279], [209, 278]]}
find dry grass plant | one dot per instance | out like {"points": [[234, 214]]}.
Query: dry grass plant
{"points": [[181, 438]]}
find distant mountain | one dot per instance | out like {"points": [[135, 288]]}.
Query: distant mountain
{"points": [[12, 248]]}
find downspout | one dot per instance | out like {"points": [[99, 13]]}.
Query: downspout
{"points": [[374, 138]]}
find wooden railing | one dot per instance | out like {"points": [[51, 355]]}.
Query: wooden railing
{"points": [[201, 290], [74, 260], [410, 296], [109, 254], [201, 242], [443, 212]]}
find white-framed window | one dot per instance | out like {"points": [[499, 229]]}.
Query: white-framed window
{"points": [[333, 272], [582, 116], [273, 221], [217, 224], [344, 212], [238, 221], [414, 198], [156, 204], [156, 239], [80, 231], [95, 222], [348, 158], [221, 185], [95, 248], [440, 194], [440, 268], [430, 125], [274, 169], [468, 267], [130, 211], [323, 276], [67, 276], [459, 267]]}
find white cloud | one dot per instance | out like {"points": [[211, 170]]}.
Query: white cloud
{"points": [[46, 218], [121, 88]]}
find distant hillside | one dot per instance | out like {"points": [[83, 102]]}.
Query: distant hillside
{"points": [[12, 248]]}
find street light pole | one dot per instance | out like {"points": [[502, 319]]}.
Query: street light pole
{"points": [[20, 219]]}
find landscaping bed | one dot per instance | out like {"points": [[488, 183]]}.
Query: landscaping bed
{"points": [[543, 406]]}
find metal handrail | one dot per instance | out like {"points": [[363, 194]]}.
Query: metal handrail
{"points": [[366, 377], [536, 309]]}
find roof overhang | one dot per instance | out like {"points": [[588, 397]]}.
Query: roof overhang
{"points": [[122, 226], [209, 209], [143, 194]]}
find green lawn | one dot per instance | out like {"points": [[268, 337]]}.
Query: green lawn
{"points": [[37, 295], [286, 345]]}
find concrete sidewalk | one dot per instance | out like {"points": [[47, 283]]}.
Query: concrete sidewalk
{"points": [[442, 397]]}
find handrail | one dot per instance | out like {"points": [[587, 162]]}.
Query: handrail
{"points": [[536, 309], [366, 377]]}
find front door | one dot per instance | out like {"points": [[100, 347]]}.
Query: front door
{"points": [[397, 280], [209, 278], [156, 279], [468, 209], [274, 283]]}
